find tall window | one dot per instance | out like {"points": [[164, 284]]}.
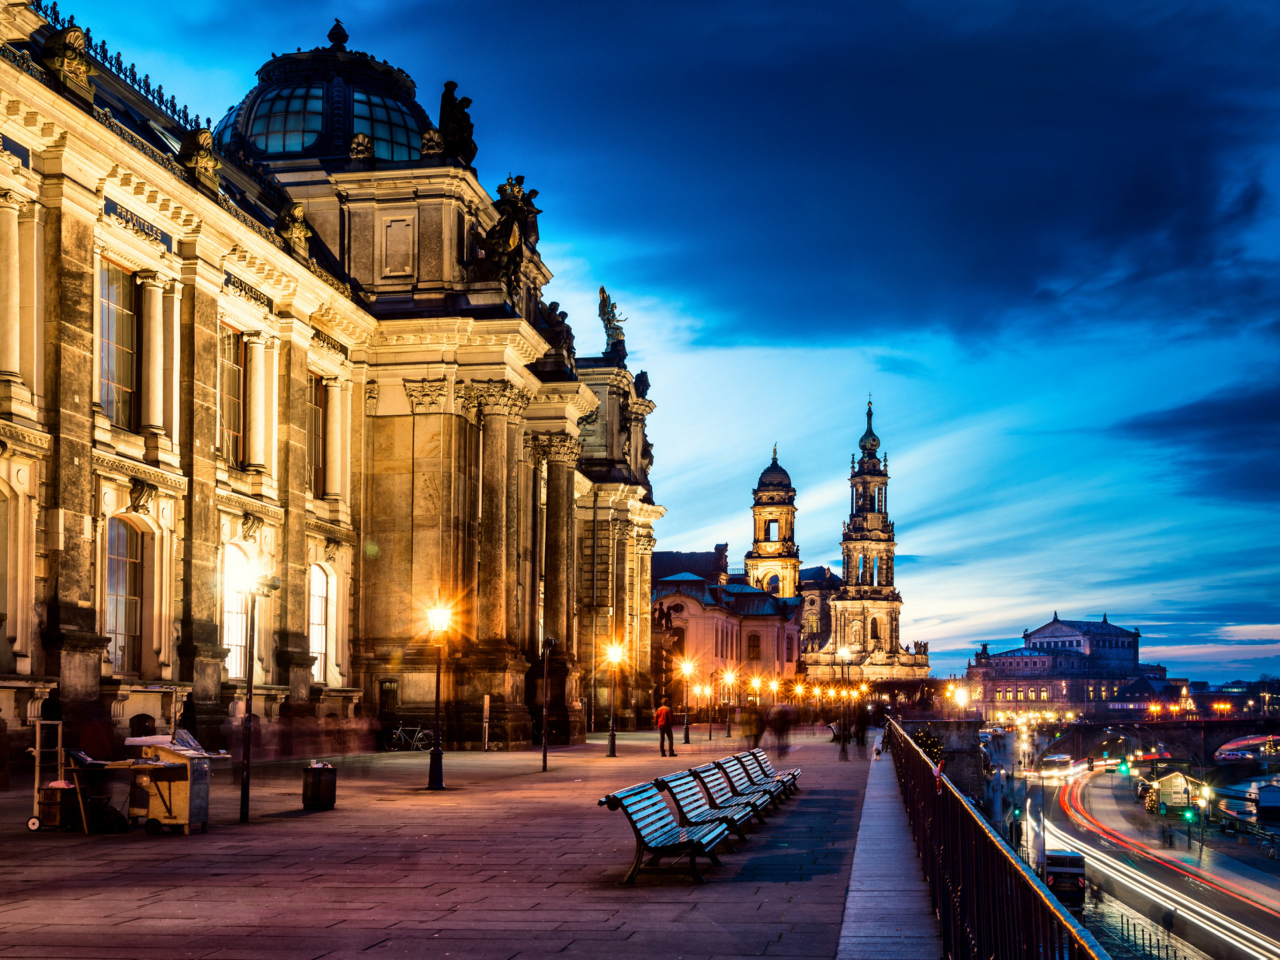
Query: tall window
{"points": [[753, 646], [231, 396], [875, 628], [790, 648], [124, 597], [394, 130], [235, 611], [318, 621], [315, 434], [119, 347]]}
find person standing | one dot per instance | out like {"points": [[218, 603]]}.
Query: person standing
{"points": [[665, 720]]}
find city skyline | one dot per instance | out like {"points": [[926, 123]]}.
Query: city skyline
{"points": [[1058, 281]]}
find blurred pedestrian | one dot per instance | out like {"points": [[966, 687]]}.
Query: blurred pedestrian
{"points": [[665, 720]]}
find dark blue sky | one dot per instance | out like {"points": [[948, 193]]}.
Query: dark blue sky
{"points": [[1044, 235]]}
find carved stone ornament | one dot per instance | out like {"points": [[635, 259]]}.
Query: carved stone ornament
{"points": [[589, 419], [432, 143], [466, 401], [501, 397], [250, 526], [426, 396], [64, 54], [562, 448], [331, 548], [196, 154], [361, 147], [292, 226], [535, 448], [371, 398], [645, 544], [141, 494]]}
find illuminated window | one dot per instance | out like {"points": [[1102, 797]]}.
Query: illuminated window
{"points": [[1021, 693], [124, 597], [318, 621], [288, 120], [315, 435], [231, 395], [1044, 693], [998, 694], [235, 611], [119, 348], [394, 130]]}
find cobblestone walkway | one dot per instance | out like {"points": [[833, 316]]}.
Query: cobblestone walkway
{"points": [[509, 862]]}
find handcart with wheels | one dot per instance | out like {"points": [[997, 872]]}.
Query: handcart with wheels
{"points": [[53, 800]]}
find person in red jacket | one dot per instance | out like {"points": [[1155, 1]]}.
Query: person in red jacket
{"points": [[665, 719]]}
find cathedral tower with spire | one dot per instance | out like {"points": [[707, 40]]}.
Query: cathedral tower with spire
{"points": [[773, 563], [865, 612]]}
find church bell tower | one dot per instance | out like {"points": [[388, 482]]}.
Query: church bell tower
{"points": [[773, 563]]}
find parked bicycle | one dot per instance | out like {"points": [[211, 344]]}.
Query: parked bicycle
{"points": [[409, 738]]}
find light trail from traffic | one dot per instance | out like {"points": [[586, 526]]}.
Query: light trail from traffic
{"points": [[1218, 924]]}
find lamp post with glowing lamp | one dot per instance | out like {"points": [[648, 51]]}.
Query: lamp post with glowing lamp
{"points": [[686, 670], [614, 657], [773, 692], [845, 657], [438, 629], [730, 679], [255, 587]]}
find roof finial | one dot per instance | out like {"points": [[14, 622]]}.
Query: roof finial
{"points": [[337, 36], [1055, 616], [1104, 618], [775, 451]]}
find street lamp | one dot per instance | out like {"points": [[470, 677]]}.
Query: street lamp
{"points": [[548, 644], [730, 678], [845, 656], [686, 669], [773, 691], [437, 630], [255, 586], [613, 656]]}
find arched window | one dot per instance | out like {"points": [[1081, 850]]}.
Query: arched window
{"points": [[875, 628], [235, 611], [124, 597], [774, 584], [1044, 693], [753, 646], [318, 621]]}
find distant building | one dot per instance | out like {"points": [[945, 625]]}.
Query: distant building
{"points": [[1077, 667]]}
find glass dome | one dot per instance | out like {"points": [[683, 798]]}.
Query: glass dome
{"points": [[309, 105]]}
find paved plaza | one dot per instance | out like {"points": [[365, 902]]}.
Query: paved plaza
{"points": [[508, 862]]}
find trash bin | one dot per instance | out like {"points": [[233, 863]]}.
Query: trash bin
{"points": [[319, 786]]}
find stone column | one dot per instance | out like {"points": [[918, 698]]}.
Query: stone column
{"points": [[10, 291], [499, 401], [332, 438], [644, 624], [562, 459], [256, 414], [152, 353], [515, 448]]}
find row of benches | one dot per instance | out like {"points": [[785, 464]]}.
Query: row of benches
{"points": [[711, 800]]}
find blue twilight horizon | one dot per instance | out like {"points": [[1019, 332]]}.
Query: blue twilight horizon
{"points": [[1044, 236]]}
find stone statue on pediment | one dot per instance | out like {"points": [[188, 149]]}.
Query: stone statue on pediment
{"points": [[456, 129]]}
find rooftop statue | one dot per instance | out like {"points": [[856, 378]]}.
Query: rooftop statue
{"points": [[502, 248], [456, 129], [609, 317], [555, 328], [642, 391]]}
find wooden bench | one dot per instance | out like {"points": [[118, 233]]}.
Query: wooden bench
{"points": [[720, 791], [691, 804], [789, 778], [658, 832], [742, 784]]}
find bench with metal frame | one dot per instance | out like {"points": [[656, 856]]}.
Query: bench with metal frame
{"points": [[720, 791], [693, 808], [658, 832], [788, 778], [741, 783]]}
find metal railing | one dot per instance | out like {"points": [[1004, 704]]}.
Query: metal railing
{"points": [[990, 905]]}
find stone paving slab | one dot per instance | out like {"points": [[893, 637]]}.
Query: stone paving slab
{"points": [[507, 863]]}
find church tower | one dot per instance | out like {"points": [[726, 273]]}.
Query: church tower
{"points": [[865, 613], [773, 563]]}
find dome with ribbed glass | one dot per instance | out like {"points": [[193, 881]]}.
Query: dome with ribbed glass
{"points": [[313, 104]]}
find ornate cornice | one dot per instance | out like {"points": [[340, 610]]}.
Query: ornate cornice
{"points": [[331, 532], [32, 439], [237, 504], [106, 462]]}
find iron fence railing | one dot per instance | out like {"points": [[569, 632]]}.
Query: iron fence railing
{"points": [[991, 905]]}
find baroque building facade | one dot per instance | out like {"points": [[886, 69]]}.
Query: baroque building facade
{"points": [[304, 343], [847, 626], [1081, 668]]}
